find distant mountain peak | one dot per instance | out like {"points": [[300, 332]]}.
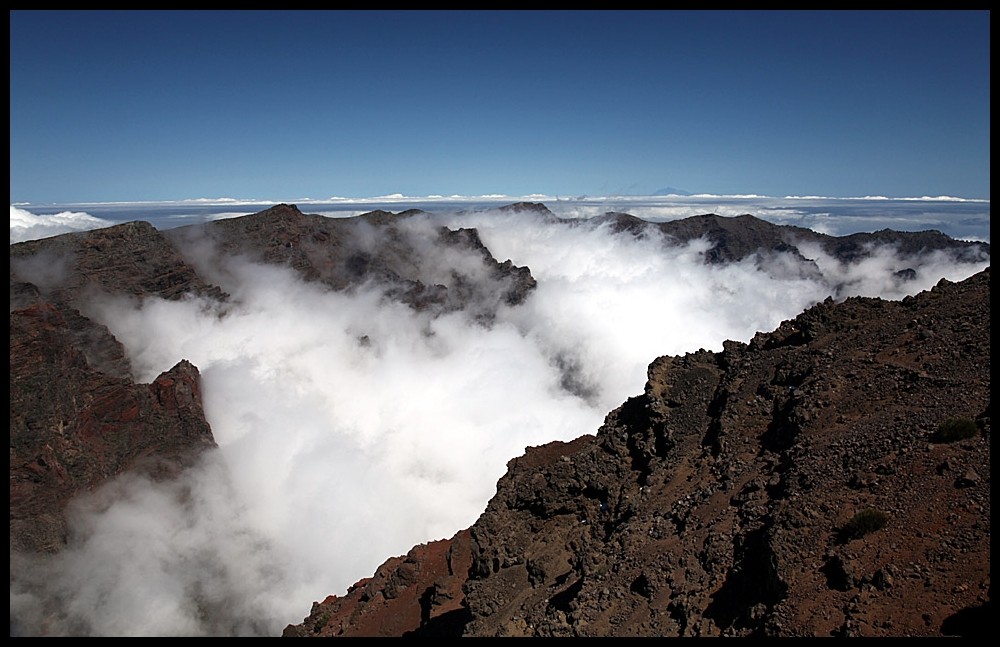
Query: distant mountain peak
{"points": [[669, 190]]}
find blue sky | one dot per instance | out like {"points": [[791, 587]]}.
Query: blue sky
{"points": [[128, 106]]}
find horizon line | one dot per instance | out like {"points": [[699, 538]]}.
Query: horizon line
{"points": [[490, 197]]}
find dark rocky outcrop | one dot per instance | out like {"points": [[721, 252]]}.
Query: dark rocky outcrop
{"points": [[736, 238], [400, 251], [741, 237], [131, 259], [77, 420], [714, 503]]}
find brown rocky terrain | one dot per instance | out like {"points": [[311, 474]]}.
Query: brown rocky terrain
{"points": [[76, 423], [77, 418], [417, 262], [720, 501], [715, 503]]}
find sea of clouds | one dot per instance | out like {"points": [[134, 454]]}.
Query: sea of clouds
{"points": [[335, 455]]}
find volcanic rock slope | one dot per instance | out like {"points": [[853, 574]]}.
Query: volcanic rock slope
{"points": [[713, 503], [77, 418], [723, 500]]}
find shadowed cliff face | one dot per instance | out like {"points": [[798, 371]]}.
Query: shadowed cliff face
{"points": [[423, 265], [77, 422], [719, 501], [714, 502]]}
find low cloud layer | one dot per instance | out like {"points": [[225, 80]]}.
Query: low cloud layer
{"points": [[25, 225], [959, 218], [352, 427]]}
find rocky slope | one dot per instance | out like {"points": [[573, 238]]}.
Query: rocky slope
{"points": [[77, 418], [723, 500], [76, 422]]}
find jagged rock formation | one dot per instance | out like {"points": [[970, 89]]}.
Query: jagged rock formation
{"points": [[722, 500], [77, 417], [419, 262], [741, 236], [77, 420]]}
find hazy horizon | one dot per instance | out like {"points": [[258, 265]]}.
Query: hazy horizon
{"points": [[959, 218]]}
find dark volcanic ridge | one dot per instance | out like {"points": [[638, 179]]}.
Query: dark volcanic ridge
{"points": [[713, 504]]}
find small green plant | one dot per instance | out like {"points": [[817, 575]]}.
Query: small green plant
{"points": [[864, 522], [954, 429], [321, 622]]}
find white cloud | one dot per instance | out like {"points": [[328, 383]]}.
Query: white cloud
{"points": [[25, 225], [352, 427], [152, 559]]}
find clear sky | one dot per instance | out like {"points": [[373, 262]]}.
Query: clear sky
{"points": [[151, 105]]}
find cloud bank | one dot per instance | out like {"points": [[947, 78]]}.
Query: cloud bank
{"points": [[966, 219], [352, 427], [25, 225]]}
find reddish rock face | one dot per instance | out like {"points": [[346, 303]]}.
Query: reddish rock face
{"points": [[74, 426], [77, 418], [419, 594], [178, 389]]}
